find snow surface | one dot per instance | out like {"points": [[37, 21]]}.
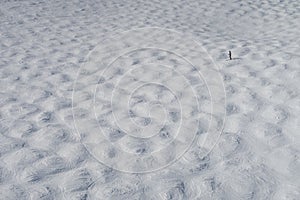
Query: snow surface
{"points": [[138, 100]]}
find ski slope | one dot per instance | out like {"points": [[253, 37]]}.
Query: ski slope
{"points": [[138, 99]]}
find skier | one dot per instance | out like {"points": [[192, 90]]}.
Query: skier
{"points": [[230, 55]]}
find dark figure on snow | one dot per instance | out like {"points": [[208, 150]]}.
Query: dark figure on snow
{"points": [[230, 55]]}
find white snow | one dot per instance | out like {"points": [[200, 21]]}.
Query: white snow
{"points": [[138, 99]]}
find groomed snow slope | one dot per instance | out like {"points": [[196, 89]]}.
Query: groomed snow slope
{"points": [[43, 45]]}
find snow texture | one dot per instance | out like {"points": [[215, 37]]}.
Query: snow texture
{"points": [[150, 125]]}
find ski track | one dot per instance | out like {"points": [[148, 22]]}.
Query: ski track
{"points": [[42, 46]]}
